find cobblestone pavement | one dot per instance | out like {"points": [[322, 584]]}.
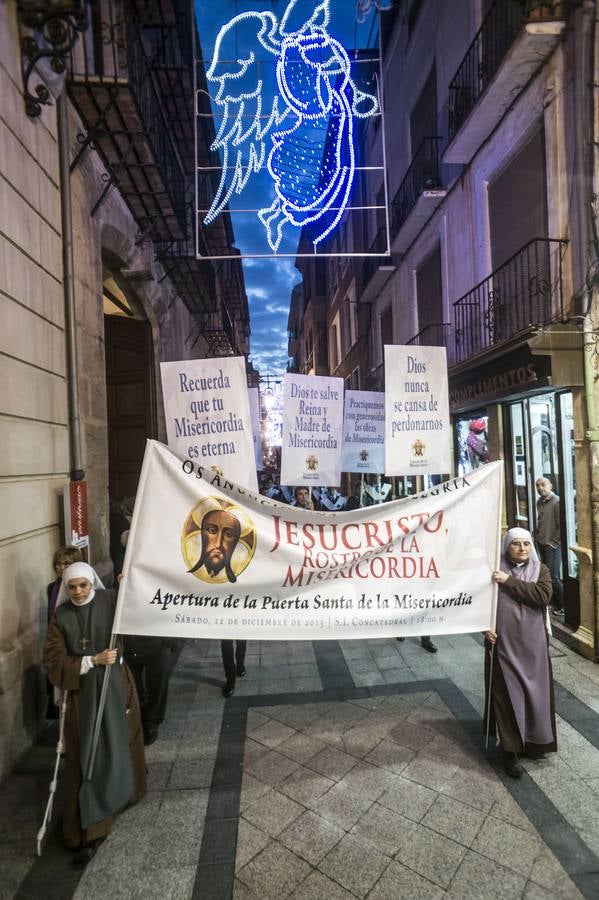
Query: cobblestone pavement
{"points": [[339, 770]]}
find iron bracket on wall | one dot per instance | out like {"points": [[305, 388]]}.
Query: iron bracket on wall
{"points": [[55, 28]]}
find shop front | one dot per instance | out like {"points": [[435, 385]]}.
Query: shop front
{"points": [[520, 406]]}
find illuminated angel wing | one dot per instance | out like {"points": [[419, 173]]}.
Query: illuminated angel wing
{"points": [[237, 70]]}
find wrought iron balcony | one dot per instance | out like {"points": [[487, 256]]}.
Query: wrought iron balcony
{"points": [[435, 335], [219, 333], [112, 86], [193, 278], [522, 294], [418, 195], [169, 46], [514, 38]]}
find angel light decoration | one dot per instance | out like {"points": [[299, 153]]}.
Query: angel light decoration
{"points": [[304, 139]]}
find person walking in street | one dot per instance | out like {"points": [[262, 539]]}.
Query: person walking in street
{"points": [[233, 654], [521, 708], [548, 538], [76, 653]]}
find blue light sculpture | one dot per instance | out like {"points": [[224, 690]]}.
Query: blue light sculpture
{"points": [[305, 140]]}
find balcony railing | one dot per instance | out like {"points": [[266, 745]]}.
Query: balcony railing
{"points": [[113, 88], [219, 333], [435, 335], [523, 293], [422, 175], [496, 35]]}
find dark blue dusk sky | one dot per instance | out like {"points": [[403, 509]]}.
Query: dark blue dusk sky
{"points": [[269, 281]]}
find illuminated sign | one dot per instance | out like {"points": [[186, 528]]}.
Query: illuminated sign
{"points": [[303, 138]]}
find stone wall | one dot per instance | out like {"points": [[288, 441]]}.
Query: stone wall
{"points": [[34, 433]]}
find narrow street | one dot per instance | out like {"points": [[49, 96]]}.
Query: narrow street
{"points": [[338, 771]]}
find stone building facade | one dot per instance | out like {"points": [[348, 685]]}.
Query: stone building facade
{"points": [[491, 127], [140, 297]]}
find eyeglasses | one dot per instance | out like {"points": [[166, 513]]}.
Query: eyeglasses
{"points": [[520, 543]]}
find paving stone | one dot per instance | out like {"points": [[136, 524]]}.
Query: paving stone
{"points": [[254, 720], [368, 679], [241, 892], [507, 845], [305, 786], [548, 873], [369, 781], [532, 891], [341, 806], [428, 853], [296, 716], [274, 873], [311, 837], [318, 887], [354, 865], [397, 882], [408, 798], [300, 747], [477, 873], [453, 819], [271, 733], [411, 735], [475, 789], [251, 790], [332, 763], [390, 755], [433, 773], [155, 884], [379, 826], [250, 841], [270, 767], [272, 812], [507, 809], [191, 773]]}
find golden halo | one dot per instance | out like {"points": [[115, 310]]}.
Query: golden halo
{"points": [[191, 539]]}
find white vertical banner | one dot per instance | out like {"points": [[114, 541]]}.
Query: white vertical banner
{"points": [[254, 395], [417, 432], [207, 412], [363, 432], [312, 430]]}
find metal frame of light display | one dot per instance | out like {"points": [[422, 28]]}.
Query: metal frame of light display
{"points": [[286, 96]]}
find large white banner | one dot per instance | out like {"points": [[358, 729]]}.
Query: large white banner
{"points": [[417, 433], [207, 412], [208, 559], [254, 396], [312, 430], [363, 432]]}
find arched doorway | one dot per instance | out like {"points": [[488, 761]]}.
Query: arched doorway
{"points": [[130, 391]]}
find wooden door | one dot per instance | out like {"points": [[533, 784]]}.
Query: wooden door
{"points": [[131, 400]]}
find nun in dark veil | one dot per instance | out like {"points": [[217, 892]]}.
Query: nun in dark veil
{"points": [[521, 711]]}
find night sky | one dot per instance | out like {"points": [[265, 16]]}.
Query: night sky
{"points": [[269, 281]]}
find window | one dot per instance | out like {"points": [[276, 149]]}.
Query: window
{"points": [[423, 117], [350, 323], [429, 296], [386, 321], [518, 202], [322, 345], [335, 348]]}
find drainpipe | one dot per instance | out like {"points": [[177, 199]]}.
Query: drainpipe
{"points": [[587, 115], [66, 216]]}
